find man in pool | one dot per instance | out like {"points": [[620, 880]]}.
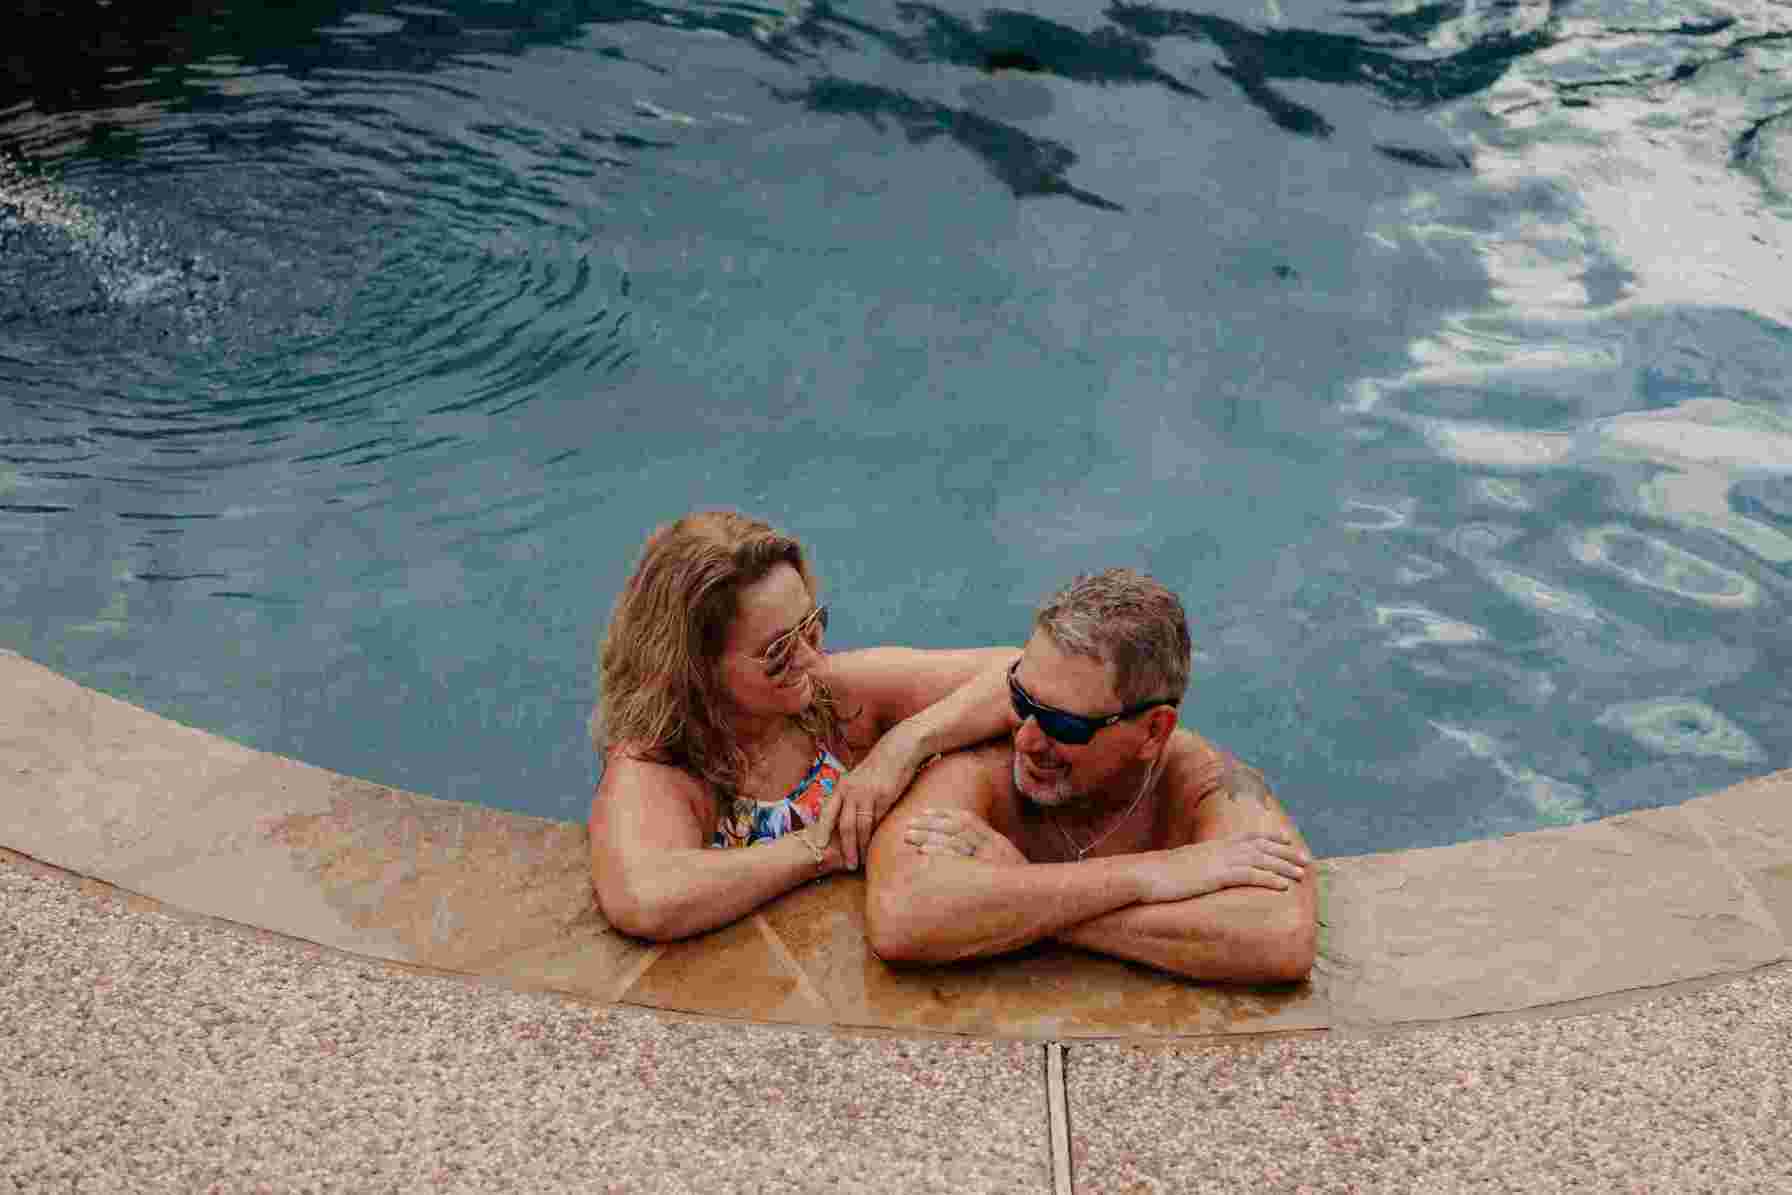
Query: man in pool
{"points": [[1100, 822]]}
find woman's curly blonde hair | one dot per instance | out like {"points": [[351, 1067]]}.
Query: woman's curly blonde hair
{"points": [[659, 679]]}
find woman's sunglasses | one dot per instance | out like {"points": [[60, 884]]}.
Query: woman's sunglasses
{"points": [[1071, 729], [777, 657]]}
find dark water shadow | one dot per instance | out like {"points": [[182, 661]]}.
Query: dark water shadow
{"points": [[1257, 58], [1027, 165], [1022, 41], [90, 55]]}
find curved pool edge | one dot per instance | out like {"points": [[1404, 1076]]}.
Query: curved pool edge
{"points": [[1537, 923]]}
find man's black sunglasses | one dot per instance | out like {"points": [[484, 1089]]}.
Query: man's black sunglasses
{"points": [[1071, 729]]}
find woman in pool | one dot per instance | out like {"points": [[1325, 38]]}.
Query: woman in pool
{"points": [[722, 724]]}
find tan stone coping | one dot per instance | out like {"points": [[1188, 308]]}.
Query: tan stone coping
{"points": [[102, 788]]}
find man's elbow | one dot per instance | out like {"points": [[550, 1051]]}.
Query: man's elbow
{"points": [[1279, 951], [891, 929], [1288, 954], [886, 929]]}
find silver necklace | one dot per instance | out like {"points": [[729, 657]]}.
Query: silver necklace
{"points": [[1150, 776]]}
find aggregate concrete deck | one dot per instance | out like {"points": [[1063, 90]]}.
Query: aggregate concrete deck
{"points": [[961, 1067], [142, 1051]]}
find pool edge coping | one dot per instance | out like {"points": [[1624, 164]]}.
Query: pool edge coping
{"points": [[119, 737]]}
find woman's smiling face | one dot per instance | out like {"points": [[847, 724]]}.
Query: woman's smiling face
{"points": [[769, 609]]}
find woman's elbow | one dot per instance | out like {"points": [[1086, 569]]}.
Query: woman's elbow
{"points": [[636, 914], [637, 924], [625, 916]]}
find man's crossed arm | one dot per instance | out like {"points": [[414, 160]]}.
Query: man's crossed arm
{"points": [[1222, 905]]}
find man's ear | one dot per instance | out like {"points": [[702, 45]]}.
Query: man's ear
{"points": [[1161, 722]]}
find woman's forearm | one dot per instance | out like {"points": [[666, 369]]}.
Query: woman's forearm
{"points": [[675, 894], [977, 710]]}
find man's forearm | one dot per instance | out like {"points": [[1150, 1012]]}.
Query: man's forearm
{"points": [[947, 908], [1237, 935]]}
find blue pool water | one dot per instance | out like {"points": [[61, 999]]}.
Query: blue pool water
{"points": [[1437, 354]]}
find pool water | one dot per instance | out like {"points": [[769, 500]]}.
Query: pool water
{"points": [[1436, 354]]}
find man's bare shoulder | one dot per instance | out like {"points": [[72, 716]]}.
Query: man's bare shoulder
{"points": [[1217, 793], [974, 778], [970, 779], [1244, 783]]}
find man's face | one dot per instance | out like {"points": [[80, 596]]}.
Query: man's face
{"points": [[1054, 774]]}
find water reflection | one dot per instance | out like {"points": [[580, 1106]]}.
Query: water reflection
{"points": [[1677, 726], [1255, 58], [1418, 626], [1542, 597], [1556, 802], [1648, 560]]}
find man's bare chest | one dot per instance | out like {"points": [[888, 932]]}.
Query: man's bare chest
{"points": [[1046, 837]]}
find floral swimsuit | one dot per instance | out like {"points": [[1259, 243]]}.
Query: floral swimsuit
{"points": [[746, 822]]}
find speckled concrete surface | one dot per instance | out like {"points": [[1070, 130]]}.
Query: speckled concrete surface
{"points": [[141, 1052], [148, 1052], [1687, 1093]]}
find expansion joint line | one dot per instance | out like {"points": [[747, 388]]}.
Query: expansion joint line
{"points": [[1057, 1110]]}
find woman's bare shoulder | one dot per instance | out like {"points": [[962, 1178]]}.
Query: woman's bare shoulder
{"points": [[633, 777]]}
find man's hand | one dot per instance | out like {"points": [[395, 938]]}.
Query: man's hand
{"points": [[1253, 858], [959, 832]]}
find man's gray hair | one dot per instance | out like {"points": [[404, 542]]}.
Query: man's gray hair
{"points": [[1129, 622]]}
